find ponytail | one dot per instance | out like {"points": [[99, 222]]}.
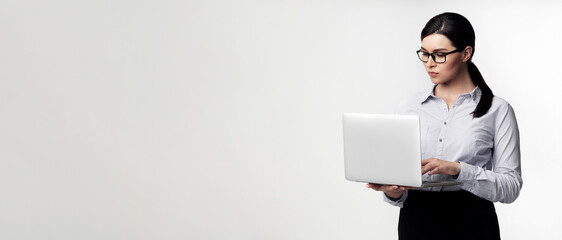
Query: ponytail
{"points": [[487, 95]]}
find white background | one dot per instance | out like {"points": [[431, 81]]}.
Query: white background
{"points": [[221, 119]]}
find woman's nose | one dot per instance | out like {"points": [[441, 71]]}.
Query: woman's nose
{"points": [[431, 62]]}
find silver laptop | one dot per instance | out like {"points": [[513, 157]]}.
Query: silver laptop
{"points": [[384, 149]]}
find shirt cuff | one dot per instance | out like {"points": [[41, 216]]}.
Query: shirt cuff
{"points": [[468, 172], [468, 176], [399, 202]]}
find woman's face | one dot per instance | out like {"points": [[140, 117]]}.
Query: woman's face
{"points": [[440, 73]]}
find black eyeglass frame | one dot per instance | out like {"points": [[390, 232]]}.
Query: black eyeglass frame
{"points": [[433, 56]]}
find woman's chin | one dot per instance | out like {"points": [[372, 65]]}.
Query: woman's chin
{"points": [[435, 80]]}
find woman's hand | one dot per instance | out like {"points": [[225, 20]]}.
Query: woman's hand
{"points": [[390, 190], [438, 166]]}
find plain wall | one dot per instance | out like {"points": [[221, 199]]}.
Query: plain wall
{"points": [[219, 119]]}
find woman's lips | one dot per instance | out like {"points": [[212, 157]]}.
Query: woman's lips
{"points": [[433, 74]]}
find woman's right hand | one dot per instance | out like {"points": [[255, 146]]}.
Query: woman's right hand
{"points": [[390, 190]]}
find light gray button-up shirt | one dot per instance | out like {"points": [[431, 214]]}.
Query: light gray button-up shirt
{"points": [[486, 147]]}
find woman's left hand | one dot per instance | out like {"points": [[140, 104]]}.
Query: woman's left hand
{"points": [[438, 166]]}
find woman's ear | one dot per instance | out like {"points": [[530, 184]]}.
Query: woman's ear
{"points": [[467, 53]]}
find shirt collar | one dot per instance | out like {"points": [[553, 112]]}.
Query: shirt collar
{"points": [[474, 95]]}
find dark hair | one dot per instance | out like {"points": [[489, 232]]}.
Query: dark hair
{"points": [[459, 30]]}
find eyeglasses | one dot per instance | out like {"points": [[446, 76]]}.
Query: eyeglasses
{"points": [[438, 57]]}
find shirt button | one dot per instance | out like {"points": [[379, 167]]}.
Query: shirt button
{"points": [[440, 139], [445, 123]]}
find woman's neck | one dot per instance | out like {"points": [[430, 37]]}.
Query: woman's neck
{"points": [[451, 90]]}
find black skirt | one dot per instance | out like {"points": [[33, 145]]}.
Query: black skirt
{"points": [[447, 215]]}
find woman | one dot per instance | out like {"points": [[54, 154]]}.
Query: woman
{"points": [[468, 134]]}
